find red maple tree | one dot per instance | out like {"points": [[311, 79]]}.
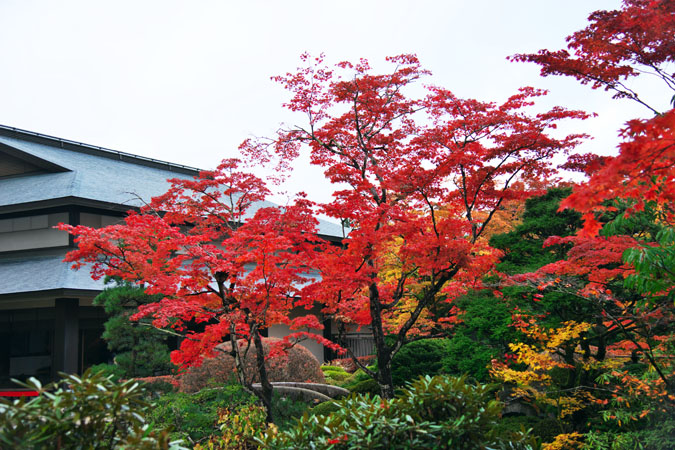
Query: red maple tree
{"points": [[226, 267], [418, 180], [636, 40], [629, 190]]}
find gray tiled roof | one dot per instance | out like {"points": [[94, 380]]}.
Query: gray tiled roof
{"points": [[91, 177], [43, 273], [94, 177]]}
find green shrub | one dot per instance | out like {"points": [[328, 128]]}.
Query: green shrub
{"points": [[112, 370], [238, 428], [360, 383], [439, 412], [325, 408], [367, 386], [140, 350], [335, 375], [467, 355], [286, 410], [91, 411], [419, 358], [332, 369], [194, 417]]}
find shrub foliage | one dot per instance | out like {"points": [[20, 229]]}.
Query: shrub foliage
{"points": [[89, 412], [432, 412], [299, 364]]}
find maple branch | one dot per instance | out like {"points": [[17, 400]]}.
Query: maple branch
{"points": [[649, 355], [427, 299], [432, 213], [398, 292], [626, 92]]}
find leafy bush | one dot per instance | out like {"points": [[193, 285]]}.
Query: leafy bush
{"points": [[335, 375], [324, 408], [298, 365], [239, 427], [91, 411], [109, 370], [367, 386], [360, 383], [194, 417], [483, 334], [439, 412], [161, 384], [419, 358], [349, 365], [286, 410]]}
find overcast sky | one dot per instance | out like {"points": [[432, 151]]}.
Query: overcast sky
{"points": [[187, 81]]}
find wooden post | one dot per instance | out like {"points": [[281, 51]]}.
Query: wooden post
{"points": [[66, 336]]}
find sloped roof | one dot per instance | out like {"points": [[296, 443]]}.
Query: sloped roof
{"points": [[20, 275], [76, 172], [92, 176]]}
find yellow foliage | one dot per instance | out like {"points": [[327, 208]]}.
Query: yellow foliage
{"points": [[567, 441], [534, 381]]}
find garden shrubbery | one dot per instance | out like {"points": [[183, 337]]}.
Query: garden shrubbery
{"points": [[335, 375], [91, 411], [239, 427], [418, 358], [299, 364], [193, 417], [432, 412]]}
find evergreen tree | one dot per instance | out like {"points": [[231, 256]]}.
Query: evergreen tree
{"points": [[140, 349]]}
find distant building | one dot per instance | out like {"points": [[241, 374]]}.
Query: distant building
{"points": [[47, 321]]}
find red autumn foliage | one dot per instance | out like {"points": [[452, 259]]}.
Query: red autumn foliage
{"points": [[636, 40], [639, 38], [418, 179], [225, 269], [644, 171]]}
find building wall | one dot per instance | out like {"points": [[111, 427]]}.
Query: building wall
{"points": [[31, 232]]}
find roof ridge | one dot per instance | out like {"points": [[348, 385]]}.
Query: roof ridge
{"points": [[98, 150]]}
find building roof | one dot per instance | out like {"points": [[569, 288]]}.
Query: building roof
{"points": [[47, 273], [63, 172]]}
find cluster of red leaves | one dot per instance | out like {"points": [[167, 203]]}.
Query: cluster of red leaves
{"points": [[644, 171], [597, 259], [635, 40], [217, 260], [616, 45], [349, 365], [424, 185]]}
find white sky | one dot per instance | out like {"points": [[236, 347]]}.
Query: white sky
{"points": [[187, 81]]}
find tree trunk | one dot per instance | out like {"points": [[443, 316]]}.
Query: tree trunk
{"points": [[267, 389], [265, 395], [383, 351]]}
